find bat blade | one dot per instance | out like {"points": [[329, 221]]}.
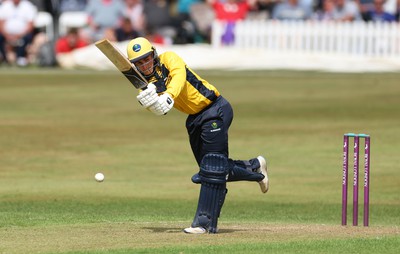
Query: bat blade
{"points": [[122, 63]]}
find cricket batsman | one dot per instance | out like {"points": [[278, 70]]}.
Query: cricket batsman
{"points": [[173, 84]]}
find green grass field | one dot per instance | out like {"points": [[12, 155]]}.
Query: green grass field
{"points": [[58, 128]]}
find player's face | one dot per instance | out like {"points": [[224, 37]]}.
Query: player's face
{"points": [[145, 65]]}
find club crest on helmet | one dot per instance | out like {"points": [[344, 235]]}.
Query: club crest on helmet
{"points": [[136, 47]]}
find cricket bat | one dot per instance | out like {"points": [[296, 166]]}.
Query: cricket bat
{"points": [[122, 63]]}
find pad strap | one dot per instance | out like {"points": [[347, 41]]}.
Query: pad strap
{"points": [[238, 171]]}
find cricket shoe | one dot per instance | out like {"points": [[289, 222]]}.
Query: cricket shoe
{"points": [[195, 230], [264, 183]]}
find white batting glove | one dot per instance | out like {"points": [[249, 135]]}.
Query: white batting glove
{"points": [[148, 96], [163, 105]]}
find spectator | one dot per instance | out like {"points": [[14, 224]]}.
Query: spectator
{"points": [[67, 45], [398, 10], [266, 6], [378, 14], [104, 17], [72, 5], [134, 10], [70, 42], [16, 28], [186, 28], [291, 10], [183, 7], [126, 31], [202, 16], [159, 21], [310, 5], [347, 10], [392, 7], [230, 12], [326, 13], [364, 6]]}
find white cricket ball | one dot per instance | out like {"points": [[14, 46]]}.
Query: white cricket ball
{"points": [[99, 177]]}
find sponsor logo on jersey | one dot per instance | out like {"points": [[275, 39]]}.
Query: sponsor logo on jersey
{"points": [[214, 125]]}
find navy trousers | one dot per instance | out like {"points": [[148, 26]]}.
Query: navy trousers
{"points": [[20, 48], [208, 130]]}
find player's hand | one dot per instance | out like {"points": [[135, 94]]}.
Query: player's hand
{"points": [[163, 105], [148, 96]]}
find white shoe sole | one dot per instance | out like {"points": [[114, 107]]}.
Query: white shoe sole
{"points": [[264, 184], [196, 230]]}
